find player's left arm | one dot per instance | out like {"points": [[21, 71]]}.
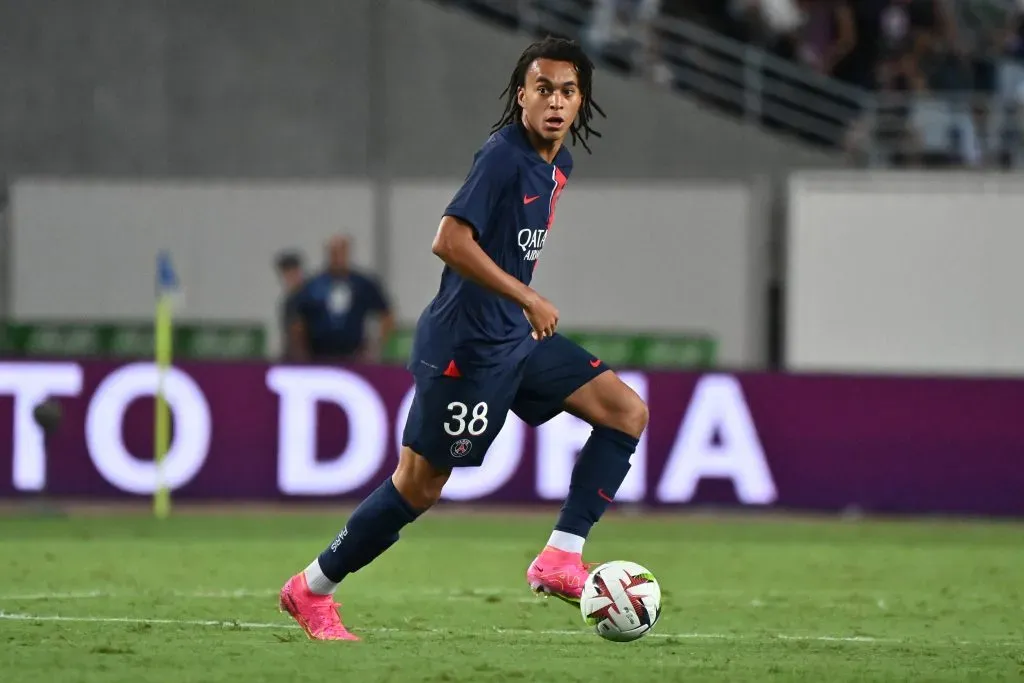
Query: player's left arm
{"points": [[380, 305]]}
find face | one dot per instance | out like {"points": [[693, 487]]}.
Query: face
{"points": [[550, 98], [291, 278], [337, 254]]}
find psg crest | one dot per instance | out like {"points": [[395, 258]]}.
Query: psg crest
{"points": [[461, 448]]}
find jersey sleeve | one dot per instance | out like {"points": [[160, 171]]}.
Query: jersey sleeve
{"points": [[491, 175]]}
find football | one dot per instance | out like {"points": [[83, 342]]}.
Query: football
{"points": [[621, 600]]}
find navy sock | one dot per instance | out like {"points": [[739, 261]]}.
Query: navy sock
{"points": [[599, 471], [372, 529]]}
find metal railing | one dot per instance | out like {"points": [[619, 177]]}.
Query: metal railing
{"points": [[741, 79], [771, 92], [948, 128], [761, 87]]}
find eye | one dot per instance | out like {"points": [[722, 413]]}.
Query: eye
{"points": [[543, 90], [570, 92]]}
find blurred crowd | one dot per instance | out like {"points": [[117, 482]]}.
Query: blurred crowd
{"points": [[948, 75], [336, 315]]}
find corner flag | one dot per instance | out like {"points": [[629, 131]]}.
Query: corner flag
{"points": [[167, 291]]}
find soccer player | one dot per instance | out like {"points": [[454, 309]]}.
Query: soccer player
{"points": [[487, 344]]}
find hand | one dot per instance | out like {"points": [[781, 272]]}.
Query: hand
{"points": [[542, 315]]}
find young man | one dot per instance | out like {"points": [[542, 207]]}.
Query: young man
{"points": [[486, 344], [292, 275]]}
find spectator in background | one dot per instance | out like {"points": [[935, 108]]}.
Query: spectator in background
{"points": [[827, 35], [623, 31], [910, 51], [941, 114], [766, 22], [330, 313], [885, 30], [820, 34], [1007, 121], [291, 275], [1011, 76]]}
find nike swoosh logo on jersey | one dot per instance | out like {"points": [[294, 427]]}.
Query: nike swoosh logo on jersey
{"points": [[530, 200]]}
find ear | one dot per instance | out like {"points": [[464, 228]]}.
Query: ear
{"points": [[520, 95]]}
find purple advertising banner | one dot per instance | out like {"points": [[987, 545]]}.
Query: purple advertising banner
{"points": [[265, 432]]}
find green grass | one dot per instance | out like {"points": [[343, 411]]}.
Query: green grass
{"points": [[745, 600]]}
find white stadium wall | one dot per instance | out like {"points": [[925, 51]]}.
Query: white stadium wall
{"points": [[87, 249], [660, 257], [908, 273]]}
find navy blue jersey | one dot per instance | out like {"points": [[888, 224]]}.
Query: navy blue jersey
{"points": [[509, 198], [335, 310]]}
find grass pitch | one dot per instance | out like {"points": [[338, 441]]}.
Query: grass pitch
{"points": [[194, 598]]}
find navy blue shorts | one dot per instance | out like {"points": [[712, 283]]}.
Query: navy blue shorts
{"points": [[454, 420]]}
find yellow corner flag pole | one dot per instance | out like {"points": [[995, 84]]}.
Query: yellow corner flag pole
{"points": [[163, 322]]}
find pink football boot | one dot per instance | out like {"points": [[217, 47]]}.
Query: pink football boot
{"points": [[316, 614], [558, 573]]}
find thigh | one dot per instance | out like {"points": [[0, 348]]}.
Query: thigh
{"points": [[607, 401], [553, 371], [453, 420]]}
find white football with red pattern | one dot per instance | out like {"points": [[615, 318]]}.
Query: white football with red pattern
{"points": [[621, 600]]}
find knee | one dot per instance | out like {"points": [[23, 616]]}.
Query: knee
{"points": [[419, 493], [417, 481], [622, 409], [635, 416], [630, 415]]}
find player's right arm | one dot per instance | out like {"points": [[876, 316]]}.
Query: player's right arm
{"points": [[455, 244], [295, 326], [468, 218]]}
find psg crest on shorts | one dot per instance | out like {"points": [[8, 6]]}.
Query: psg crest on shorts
{"points": [[461, 448]]}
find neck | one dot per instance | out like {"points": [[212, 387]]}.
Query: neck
{"points": [[547, 149]]}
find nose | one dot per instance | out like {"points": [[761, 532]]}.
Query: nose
{"points": [[557, 101]]}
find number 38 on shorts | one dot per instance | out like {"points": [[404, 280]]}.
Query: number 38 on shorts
{"points": [[458, 426], [453, 422]]}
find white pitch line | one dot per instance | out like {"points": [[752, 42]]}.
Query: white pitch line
{"points": [[244, 593], [7, 616], [238, 594], [839, 639], [87, 595], [241, 593], [139, 620], [506, 631], [72, 595], [504, 595]]}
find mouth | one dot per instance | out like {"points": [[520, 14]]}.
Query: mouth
{"points": [[554, 123]]}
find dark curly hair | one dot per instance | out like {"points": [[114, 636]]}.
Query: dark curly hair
{"points": [[560, 50]]}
